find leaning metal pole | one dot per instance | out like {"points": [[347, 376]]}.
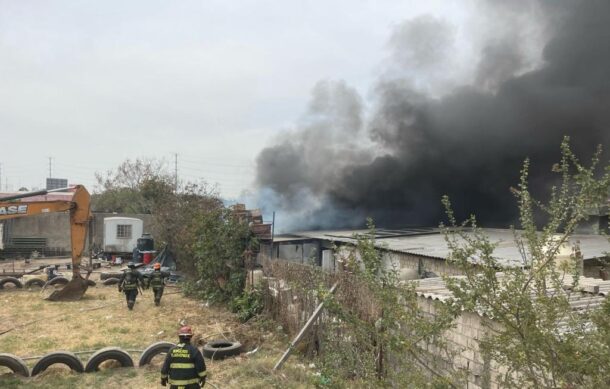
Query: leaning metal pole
{"points": [[304, 330]]}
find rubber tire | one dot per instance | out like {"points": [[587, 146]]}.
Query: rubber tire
{"points": [[65, 357], [212, 349], [11, 280], [91, 283], [110, 281], [153, 350], [108, 354], [105, 276], [34, 282], [57, 281], [14, 363]]}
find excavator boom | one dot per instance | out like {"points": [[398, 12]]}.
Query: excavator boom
{"points": [[79, 208]]}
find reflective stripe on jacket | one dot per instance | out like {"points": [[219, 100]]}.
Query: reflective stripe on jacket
{"points": [[184, 365], [130, 279], [156, 279]]}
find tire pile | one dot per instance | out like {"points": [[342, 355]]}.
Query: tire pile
{"points": [[39, 282], [215, 349], [18, 366]]}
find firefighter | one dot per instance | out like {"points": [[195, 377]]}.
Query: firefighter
{"points": [[157, 281], [184, 367], [130, 282]]}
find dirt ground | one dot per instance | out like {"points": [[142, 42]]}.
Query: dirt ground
{"points": [[36, 327]]}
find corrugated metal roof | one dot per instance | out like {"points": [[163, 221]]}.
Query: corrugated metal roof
{"points": [[593, 290], [289, 238], [432, 244]]}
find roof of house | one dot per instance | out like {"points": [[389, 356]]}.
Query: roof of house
{"points": [[430, 242], [591, 291]]}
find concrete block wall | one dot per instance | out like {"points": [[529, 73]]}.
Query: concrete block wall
{"points": [[55, 227], [463, 342]]}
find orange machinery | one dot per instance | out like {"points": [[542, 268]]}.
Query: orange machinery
{"points": [[79, 208]]}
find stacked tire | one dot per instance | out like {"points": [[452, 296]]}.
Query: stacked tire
{"points": [[15, 364], [58, 357], [10, 280], [217, 349], [108, 354], [153, 350], [34, 282]]}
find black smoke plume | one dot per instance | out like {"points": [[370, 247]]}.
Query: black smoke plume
{"points": [[464, 139]]}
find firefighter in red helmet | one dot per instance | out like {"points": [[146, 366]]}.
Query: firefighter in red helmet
{"points": [[184, 367]]}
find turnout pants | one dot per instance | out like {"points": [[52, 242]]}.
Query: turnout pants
{"points": [[130, 296], [158, 292]]}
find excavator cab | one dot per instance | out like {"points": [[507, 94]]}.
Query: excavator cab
{"points": [[80, 213]]}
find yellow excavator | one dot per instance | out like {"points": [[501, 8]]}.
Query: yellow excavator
{"points": [[80, 213]]}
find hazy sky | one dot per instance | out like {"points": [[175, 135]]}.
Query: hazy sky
{"points": [[93, 83]]}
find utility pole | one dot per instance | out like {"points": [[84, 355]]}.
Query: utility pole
{"points": [[176, 172], [272, 236], [50, 169]]}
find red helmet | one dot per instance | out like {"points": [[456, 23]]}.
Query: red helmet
{"points": [[157, 266], [185, 331]]}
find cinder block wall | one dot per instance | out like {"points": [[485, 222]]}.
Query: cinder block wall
{"points": [[463, 340], [55, 227]]}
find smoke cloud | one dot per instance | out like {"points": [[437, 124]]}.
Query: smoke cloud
{"points": [[466, 136]]}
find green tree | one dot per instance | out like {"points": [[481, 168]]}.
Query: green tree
{"points": [[220, 241], [537, 335], [133, 187], [177, 218], [145, 186]]}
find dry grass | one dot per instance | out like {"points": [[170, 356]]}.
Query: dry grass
{"points": [[73, 326]]}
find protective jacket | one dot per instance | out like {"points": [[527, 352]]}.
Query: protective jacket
{"points": [[157, 279], [184, 367], [130, 280]]}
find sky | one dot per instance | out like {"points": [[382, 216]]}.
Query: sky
{"points": [[90, 84]]}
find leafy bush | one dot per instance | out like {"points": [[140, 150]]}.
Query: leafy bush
{"points": [[221, 240], [248, 305], [536, 332]]}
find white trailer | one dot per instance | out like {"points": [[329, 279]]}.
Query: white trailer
{"points": [[121, 234]]}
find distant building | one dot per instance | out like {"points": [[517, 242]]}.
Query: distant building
{"points": [[421, 251], [56, 183]]}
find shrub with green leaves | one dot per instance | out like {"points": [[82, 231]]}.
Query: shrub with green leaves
{"points": [[221, 240], [533, 330], [248, 305]]}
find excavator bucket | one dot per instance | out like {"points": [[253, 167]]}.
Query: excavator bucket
{"points": [[72, 291]]}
